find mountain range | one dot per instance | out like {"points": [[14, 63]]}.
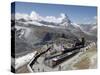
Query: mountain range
{"points": [[33, 30]]}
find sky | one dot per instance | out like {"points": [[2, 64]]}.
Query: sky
{"points": [[77, 14]]}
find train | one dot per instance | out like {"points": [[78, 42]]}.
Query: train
{"points": [[67, 53]]}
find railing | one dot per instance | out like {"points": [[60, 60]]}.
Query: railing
{"points": [[35, 59]]}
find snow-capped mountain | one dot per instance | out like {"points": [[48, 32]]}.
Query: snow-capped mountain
{"points": [[62, 21], [90, 29], [34, 30]]}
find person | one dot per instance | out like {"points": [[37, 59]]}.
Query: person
{"points": [[83, 41], [59, 67], [38, 69], [43, 70]]}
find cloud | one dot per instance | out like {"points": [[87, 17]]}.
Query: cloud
{"points": [[62, 16], [95, 17], [50, 19], [34, 16], [90, 20], [21, 16], [55, 19]]}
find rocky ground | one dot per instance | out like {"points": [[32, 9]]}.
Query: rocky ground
{"points": [[86, 59]]}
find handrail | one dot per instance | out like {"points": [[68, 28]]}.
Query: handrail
{"points": [[29, 66]]}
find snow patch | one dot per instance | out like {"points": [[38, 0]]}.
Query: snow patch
{"points": [[24, 59]]}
